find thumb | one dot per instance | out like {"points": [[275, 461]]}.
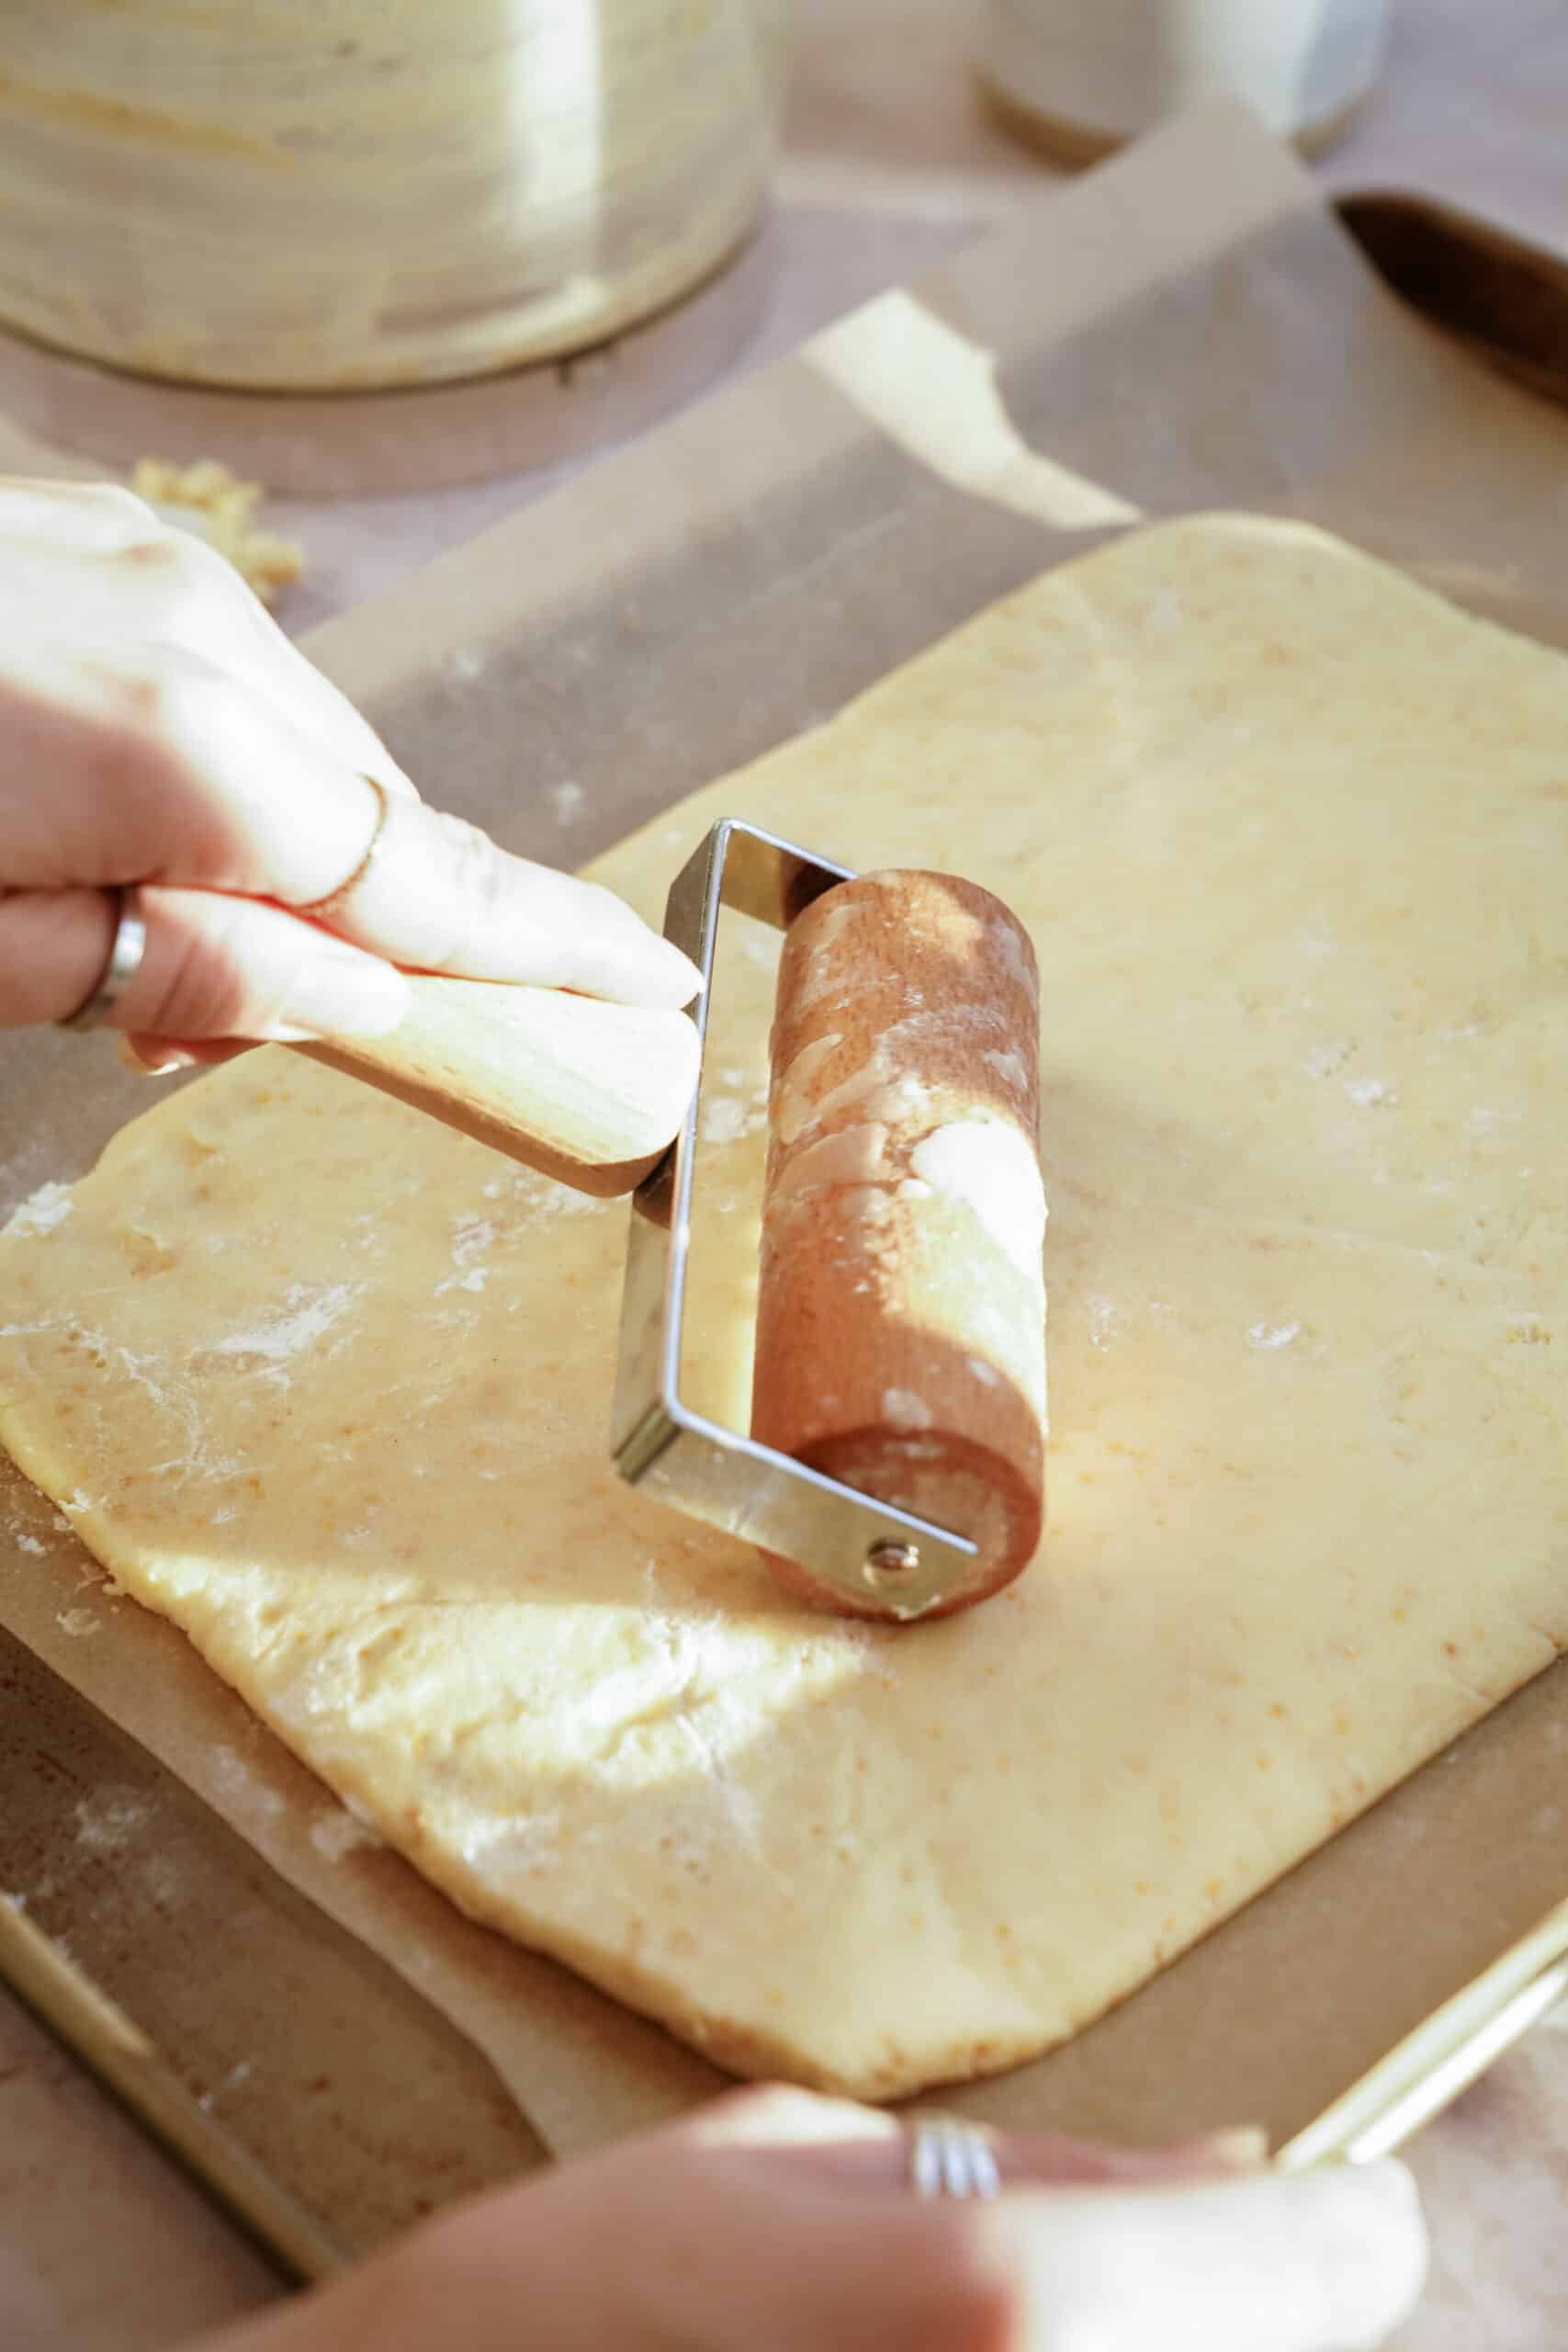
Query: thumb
{"points": [[213, 965]]}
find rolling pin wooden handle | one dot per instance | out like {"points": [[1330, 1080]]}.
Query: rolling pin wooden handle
{"points": [[587, 1092]]}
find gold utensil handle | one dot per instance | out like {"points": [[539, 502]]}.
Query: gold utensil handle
{"points": [[126, 2062], [589, 1092], [1426, 2072]]}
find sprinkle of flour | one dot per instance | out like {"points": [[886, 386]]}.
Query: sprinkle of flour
{"points": [[902, 1409], [305, 1317], [727, 1117], [471, 1238], [110, 1818], [1103, 1318], [41, 1211]]}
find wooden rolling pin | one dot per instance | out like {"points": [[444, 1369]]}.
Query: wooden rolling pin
{"points": [[587, 1092], [901, 1316]]}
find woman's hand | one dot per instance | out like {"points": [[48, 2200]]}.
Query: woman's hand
{"points": [[774, 2221], [157, 728]]}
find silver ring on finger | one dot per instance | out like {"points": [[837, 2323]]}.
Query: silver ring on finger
{"points": [[125, 951], [948, 2157]]}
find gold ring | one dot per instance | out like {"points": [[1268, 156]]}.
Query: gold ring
{"points": [[336, 898]]}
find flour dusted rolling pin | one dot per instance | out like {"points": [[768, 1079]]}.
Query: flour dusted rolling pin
{"points": [[901, 1324], [901, 1317], [588, 1092], [896, 1449], [894, 1464]]}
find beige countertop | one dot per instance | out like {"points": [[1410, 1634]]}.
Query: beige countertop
{"points": [[889, 167]]}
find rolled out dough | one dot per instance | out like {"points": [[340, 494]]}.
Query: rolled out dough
{"points": [[329, 1385]]}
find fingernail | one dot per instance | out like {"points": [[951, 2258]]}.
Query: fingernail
{"points": [[684, 973], [1244, 2145], [162, 1064], [354, 995]]}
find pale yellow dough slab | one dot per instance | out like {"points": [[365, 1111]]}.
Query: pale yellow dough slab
{"points": [[329, 1386]]}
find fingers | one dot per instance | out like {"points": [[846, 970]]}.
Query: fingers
{"points": [[1326, 2261], [1026, 2160], [222, 967], [1320, 2262], [89, 515], [167, 768], [441, 895], [833, 2140], [715, 2243], [151, 764], [160, 1057], [101, 554], [214, 966], [1110, 2251], [779, 2115]]}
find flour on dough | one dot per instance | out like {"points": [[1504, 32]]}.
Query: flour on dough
{"points": [[1282, 825]]}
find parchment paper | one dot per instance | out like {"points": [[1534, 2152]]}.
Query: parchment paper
{"points": [[1185, 329]]}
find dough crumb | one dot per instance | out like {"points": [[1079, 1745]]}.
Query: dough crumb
{"points": [[208, 499]]}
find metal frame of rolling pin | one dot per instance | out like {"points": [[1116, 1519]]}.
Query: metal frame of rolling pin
{"points": [[853, 1544]]}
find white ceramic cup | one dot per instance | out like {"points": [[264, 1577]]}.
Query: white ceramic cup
{"points": [[1089, 74]]}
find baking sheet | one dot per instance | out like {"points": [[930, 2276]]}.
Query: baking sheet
{"points": [[1185, 329], [242, 1987]]}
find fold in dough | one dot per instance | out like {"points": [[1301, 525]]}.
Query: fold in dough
{"points": [[329, 1386]]}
